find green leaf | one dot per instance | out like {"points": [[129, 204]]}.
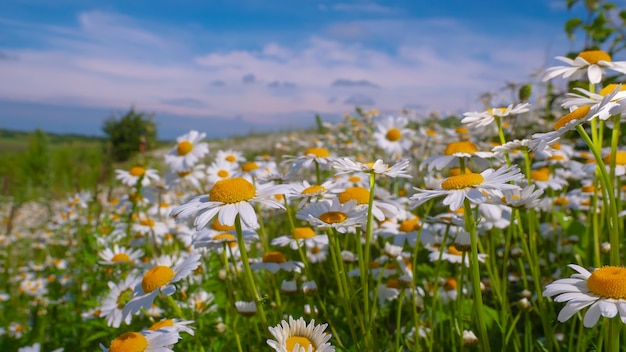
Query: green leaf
{"points": [[571, 3], [572, 25]]}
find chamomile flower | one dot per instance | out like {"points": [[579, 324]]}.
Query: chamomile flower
{"points": [[308, 193], [603, 289], [301, 236], [117, 298], [485, 118], [453, 152], [453, 255], [470, 186], [229, 156], [347, 165], [227, 199], [580, 115], [176, 325], [313, 156], [119, 255], [145, 341], [187, 152], [220, 170], [591, 62], [132, 176], [297, 336], [274, 261], [392, 135], [585, 97], [159, 279], [326, 214]]}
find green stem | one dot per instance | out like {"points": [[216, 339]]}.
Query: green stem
{"points": [[475, 277], [248, 272]]}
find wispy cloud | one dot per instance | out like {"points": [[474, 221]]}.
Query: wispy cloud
{"points": [[112, 60]]}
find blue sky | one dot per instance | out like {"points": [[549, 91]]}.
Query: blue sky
{"points": [[231, 67]]}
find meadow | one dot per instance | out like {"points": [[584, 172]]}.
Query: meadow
{"points": [[500, 229]]}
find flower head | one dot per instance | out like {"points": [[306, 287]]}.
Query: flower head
{"points": [[297, 336]]}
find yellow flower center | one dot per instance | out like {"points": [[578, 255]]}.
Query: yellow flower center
{"points": [[300, 340], [218, 226], [147, 222], [354, 179], [249, 166], [431, 132], [610, 88], [393, 283], [587, 188], [223, 173], [156, 277], [333, 217], [318, 152], [577, 114], [231, 158], [360, 194], [620, 158], [184, 173], [232, 190], [313, 189], [496, 111], [450, 284], [120, 257], [556, 158], [129, 342], [461, 130], [184, 147], [542, 174], [594, 56], [455, 171], [452, 250], [162, 324], [274, 257], [393, 134], [462, 181], [609, 282], [561, 201], [466, 147], [409, 225], [227, 237], [137, 171], [303, 233]]}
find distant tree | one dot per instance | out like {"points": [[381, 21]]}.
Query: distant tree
{"points": [[36, 162], [130, 133]]}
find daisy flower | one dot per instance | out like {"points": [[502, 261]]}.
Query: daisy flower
{"points": [[312, 156], [297, 336], [187, 152], [301, 236], [311, 193], [485, 118], [577, 116], [603, 289], [159, 279], [592, 62], [194, 177], [470, 186], [392, 136], [453, 255], [147, 226], [347, 165], [220, 170], [454, 151], [247, 309], [145, 341], [177, 325], [119, 255], [274, 261], [326, 214], [130, 177], [227, 199], [230, 156], [119, 296], [585, 97]]}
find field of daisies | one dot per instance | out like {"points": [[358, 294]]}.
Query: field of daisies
{"points": [[502, 231]]}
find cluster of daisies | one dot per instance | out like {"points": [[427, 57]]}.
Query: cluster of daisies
{"points": [[379, 208]]}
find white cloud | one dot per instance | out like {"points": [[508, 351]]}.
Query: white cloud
{"points": [[111, 60]]}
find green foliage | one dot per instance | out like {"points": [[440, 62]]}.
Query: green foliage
{"points": [[129, 134], [602, 27]]}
